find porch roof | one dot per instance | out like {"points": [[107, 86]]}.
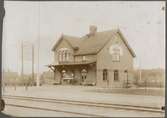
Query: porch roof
{"points": [[72, 63]]}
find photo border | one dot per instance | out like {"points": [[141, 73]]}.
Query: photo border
{"points": [[2, 14]]}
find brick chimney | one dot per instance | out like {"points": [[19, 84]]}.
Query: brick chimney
{"points": [[92, 30]]}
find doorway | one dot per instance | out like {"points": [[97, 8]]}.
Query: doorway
{"points": [[83, 76]]}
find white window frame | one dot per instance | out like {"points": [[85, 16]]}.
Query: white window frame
{"points": [[116, 55], [83, 58], [64, 54]]}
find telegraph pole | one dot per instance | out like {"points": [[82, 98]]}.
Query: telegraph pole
{"points": [[140, 70], [22, 63], [38, 73], [32, 62]]}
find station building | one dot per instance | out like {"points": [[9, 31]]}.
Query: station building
{"points": [[99, 58]]}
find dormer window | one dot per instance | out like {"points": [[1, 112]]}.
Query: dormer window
{"points": [[64, 54]]}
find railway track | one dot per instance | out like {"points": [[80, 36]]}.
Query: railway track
{"points": [[77, 104], [56, 110]]}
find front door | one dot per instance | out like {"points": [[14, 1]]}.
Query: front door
{"points": [[83, 76], [67, 76]]}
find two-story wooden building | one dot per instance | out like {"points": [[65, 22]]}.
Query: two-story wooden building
{"points": [[99, 58]]}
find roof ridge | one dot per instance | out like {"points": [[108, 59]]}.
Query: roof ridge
{"points": [[65, 35], [111, 30], [93, 46], [104, 31]]}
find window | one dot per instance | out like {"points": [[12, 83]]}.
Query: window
{"points": [[116, 54], [83, 74], [64, 55], [116, 75], [59, 56], [105, 75], [83, 58], [115, 57], [67, 56]]}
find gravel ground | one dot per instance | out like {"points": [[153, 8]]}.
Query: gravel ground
{"points": [[82, 93]]}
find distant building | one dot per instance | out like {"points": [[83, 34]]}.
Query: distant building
{"points": [[10, 77], [150, 77], [101, 58]]}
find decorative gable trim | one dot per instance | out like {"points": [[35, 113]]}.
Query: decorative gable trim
{"points": [[59, 41], [126, 43]]}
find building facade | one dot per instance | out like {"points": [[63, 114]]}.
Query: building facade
{"points": [[99, 58]]}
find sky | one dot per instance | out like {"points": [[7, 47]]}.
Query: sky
{"points": [[142, 23]]}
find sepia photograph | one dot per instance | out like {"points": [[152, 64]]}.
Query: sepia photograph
{"points": [[83, 59]]}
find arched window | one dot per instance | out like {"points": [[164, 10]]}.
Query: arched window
{"points": [[83, 74], [105, 74], [116, 75]]}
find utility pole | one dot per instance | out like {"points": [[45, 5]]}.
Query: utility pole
{"points": [[32, 62], [38, 73], [22, 63], [140, 70]]}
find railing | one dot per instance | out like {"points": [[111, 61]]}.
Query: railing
{"points": [[75, 62]]}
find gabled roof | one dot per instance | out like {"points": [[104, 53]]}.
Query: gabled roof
{"points": [[73, 41], [93, 44], [126, 43]]}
